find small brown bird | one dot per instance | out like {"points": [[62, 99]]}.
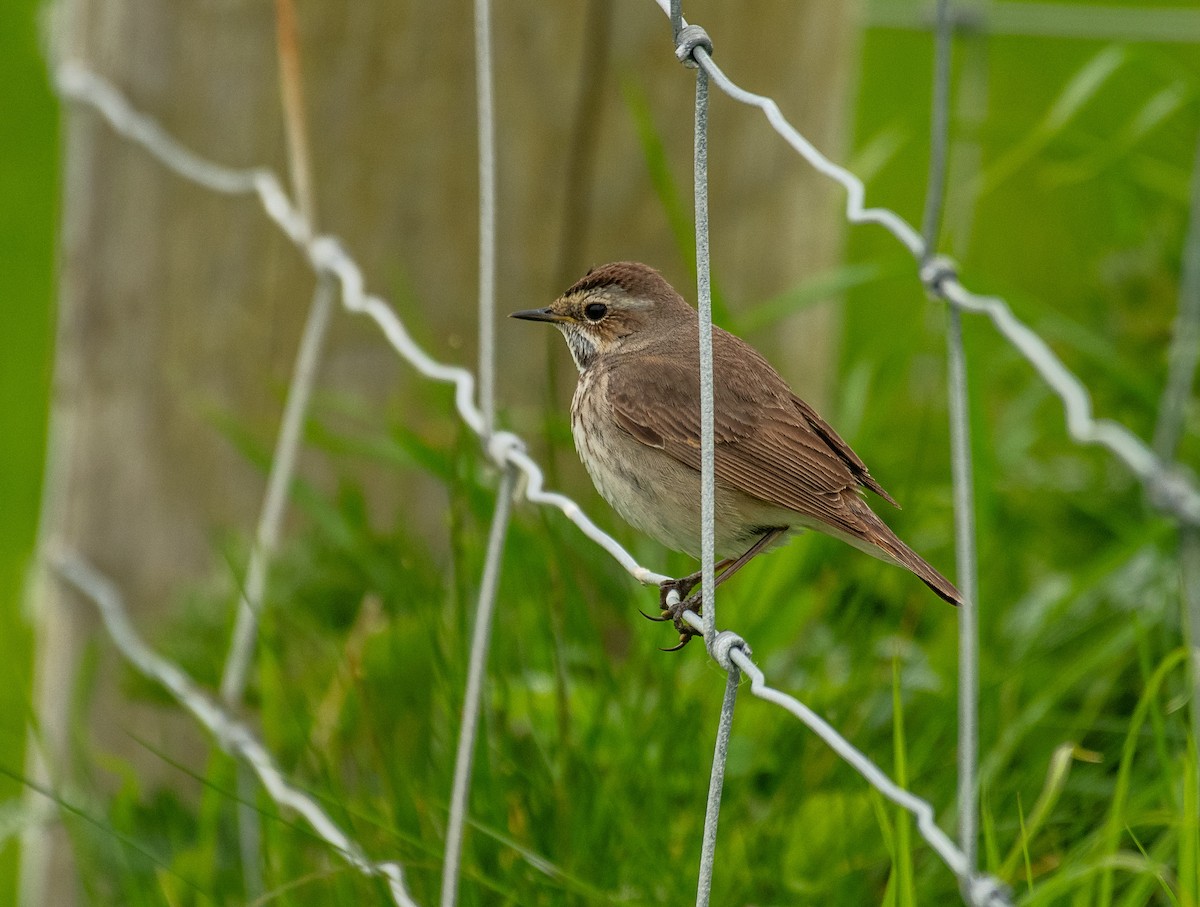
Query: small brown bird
{"points": [[635, 417]]}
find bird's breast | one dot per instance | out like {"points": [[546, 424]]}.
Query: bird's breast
{"points": [[653, 491]]}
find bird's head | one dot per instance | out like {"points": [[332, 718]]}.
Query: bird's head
{"points": [[618, 307]]}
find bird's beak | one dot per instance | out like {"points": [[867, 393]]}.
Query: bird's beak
{"points": [[546, 314]]}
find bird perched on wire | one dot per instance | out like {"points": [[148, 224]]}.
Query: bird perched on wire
{"points": [[635, 417]]}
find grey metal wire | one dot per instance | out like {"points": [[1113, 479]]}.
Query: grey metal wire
{"points": [[675, 14], [1189, 573], [1172, 415], [967, 575], [708, 480], [975, 890], [1185, 338], [487, 213], [482, 634], [716, 783], [982, 890], [939, 130], [240, 656], [960, 456], [688, 46], [469, 722], [326, 255], [1172, 491], [1133, 22], [231, 736], [279, 480]]}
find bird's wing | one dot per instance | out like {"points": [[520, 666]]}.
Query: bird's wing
{"points": [[769, 443]]}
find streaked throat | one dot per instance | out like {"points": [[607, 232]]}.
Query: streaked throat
{"points": [[583, 348]]}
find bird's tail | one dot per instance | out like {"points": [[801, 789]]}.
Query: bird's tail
{"points": [[925, 573], [888, 546]]}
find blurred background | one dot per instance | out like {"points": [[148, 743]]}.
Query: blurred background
{"points": [[169, 317]]}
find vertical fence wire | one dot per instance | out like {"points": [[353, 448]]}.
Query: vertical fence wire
{"points": [[304, 371], [240, 657], [1172, 416], [708, 479], [939, 131], [960, 455], [477, 667], [482, 633], [704, 300], [279, 480], [716, 783], [968, 618], [487, 214], [1189, 581], [1185, 339]]}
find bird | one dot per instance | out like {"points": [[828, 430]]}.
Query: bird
{"points": [[635, 418]]}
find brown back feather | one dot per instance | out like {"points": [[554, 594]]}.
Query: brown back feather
{"points": [[770, 444]]}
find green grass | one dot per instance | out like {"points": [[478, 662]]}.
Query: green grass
{"points": [[592, 764], [594, 750], [27, 220]]}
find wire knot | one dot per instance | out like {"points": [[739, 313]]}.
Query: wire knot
{"points": [[500, 444], [691, 37], [324, 252], [936, 273], [722, 647], [1169, 491], [988, 891]]}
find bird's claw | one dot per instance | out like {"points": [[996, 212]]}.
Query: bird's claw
{"points": [[666, 615], [684, 639], [675, 611]]}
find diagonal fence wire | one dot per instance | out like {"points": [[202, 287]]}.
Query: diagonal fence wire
{"points": [[1171, 489], [231, 736], [981, 890], [327, 256]]}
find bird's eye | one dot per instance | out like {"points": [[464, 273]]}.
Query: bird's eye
{"points": [[594, 311]]}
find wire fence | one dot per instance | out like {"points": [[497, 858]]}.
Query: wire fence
{"points": [[1168, 485]]}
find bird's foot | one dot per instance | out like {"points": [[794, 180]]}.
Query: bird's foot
{"points": [[682, 586], [674, 607]]}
